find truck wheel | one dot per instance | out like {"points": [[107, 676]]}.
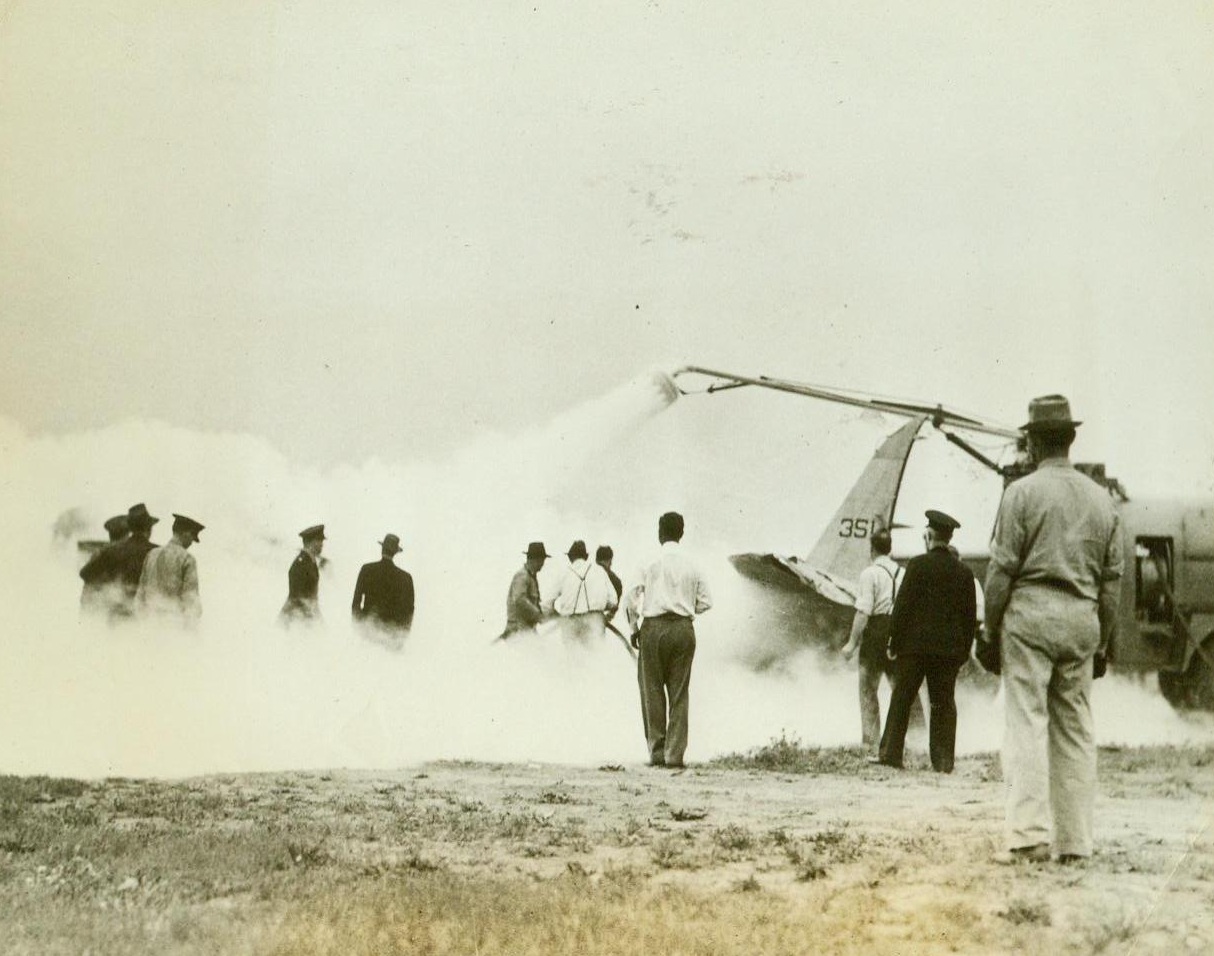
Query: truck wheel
{"points": [[1172, 686], [1194, 689]]}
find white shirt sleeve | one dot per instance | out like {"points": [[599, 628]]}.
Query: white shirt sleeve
{"points": [[866, 591]]}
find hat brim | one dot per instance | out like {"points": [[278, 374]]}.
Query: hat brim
{"points": [[1055, 426]]}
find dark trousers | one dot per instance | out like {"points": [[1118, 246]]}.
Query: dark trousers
{"points": [[910, 670], [668, 644]]}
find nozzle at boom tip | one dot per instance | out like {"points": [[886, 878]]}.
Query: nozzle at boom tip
{"points": [[664, 382]]}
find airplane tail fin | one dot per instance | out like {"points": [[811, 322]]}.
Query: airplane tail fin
{"points": [[843, 549], [833, 567]]}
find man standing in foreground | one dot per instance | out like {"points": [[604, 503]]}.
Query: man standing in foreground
{"points": [[875, 593], [672, 593], [383, 594], [523, 599], [931, 630], [1052, 591], [168, 585], [303, 579]]}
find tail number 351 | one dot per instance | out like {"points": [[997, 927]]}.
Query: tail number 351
{"points": [[858, 527]]}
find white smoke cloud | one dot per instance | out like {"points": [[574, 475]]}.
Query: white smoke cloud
{"points": [[239, 693]]}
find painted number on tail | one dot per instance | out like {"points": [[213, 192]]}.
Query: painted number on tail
{"points": [[859, 527]]}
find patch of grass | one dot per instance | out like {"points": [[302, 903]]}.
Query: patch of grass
{"points": [[1120, 927], [837, 844], [1021, 911], [786, 754], [733, 838], [39, 789], [444, 914], [809, 869], [671, 853]]}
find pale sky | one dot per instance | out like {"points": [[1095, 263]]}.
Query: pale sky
{"points": [[380, 229]]}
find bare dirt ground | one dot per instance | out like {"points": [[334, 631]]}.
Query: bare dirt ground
{"points": [[782, 850]]}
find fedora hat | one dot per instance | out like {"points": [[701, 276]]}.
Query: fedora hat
{"points": [[1049, 412], [182, 523], [391, 543], [137, 516], [536, 550]]}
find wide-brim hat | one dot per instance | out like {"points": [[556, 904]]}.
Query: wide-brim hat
{"points": [[137, 516], [577, 551], [1049, 413], [940, 521], [315, 531], [182, 523], [536, 550], [391, 543]]}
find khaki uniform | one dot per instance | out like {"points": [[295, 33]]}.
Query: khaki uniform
{"points": [[168, 584], [1051, 592]]}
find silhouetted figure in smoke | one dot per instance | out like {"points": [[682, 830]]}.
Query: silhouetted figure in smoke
{"points": [[523, 611], [603, 556], [168, 585], [383, 594], [586, 598], [303, 579], [672, 593], [93, 595], [113, 572], [117, 528]]}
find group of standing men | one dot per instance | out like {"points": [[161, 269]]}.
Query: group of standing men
{"points": [[914, 626], [1051, 602], [661, 611], [1051, 609], [130, 576]]}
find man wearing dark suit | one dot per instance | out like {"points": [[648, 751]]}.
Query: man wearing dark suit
{"points": [[383, 595], [930, 633], [303, 579], [111, 576]]}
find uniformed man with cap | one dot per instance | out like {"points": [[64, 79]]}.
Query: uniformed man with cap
{"points": [[1052, 591], [523, 610], [168, 584], [931, 629], [303, 578], [383, 594], [114, 570]]}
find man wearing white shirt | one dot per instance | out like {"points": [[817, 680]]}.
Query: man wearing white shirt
{"points": [[586, 597], [671, 594], [875, 593]]}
